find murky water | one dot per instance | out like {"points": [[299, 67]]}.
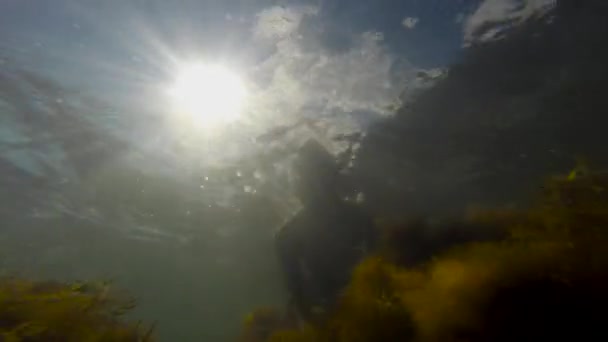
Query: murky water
{"points": [[162, 145]]}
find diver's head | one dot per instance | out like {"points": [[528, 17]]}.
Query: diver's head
{"points": [[316, 173]]}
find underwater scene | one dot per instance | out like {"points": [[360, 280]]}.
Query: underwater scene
{"points": [[303, 170]]}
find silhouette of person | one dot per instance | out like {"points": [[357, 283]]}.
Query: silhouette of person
{"points": [[320, 245]]}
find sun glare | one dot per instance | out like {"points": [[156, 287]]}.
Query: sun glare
{"points": [[209, 94]]}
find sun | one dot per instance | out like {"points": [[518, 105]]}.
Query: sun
{"points": [[209, 94]]}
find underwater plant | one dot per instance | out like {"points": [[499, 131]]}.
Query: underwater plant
{"points": [[52, 311], [273, 324], [260, 324], [546, 279]]}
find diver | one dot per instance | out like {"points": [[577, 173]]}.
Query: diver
{"points": [[321, 244]]}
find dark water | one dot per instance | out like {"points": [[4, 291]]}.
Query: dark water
{"points": [[422, 108]]}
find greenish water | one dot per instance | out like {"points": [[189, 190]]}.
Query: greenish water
{"points": [[418, 109]]}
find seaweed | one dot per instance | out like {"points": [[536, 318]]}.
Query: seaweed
{"points": [[53, 311], [546, 279]]}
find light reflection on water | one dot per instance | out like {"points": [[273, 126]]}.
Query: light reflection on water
{"points": [[100, 179]]}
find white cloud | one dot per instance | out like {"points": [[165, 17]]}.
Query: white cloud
{"points": [[280, 22], [304, 90], [485, 24], [410, 22], [304, 80]]}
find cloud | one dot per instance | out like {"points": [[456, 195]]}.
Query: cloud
{"points": [[299, 89], [280, 22], [410, 22], [493, 17], [303, 80]]}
